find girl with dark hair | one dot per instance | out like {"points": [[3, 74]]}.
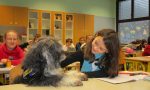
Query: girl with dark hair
{"points": [[99, 58]]}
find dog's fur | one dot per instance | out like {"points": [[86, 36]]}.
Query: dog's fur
{"points": [[43, 59]]}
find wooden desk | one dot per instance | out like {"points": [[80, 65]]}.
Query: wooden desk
{"points": [[5, 70], [91, 84], [4, 74], [139, 62], [134, 54]]}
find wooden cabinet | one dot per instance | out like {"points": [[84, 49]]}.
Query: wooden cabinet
{"points": [[61, 25], [58, 26], [46, 23], [21, 16], [83, 25], [39, 23], [11, 15], [33, 24], [79, 25], [69, 25], [6, 16], [89, 24]]}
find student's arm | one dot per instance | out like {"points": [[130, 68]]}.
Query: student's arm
{"points": [[24, 45], [76, 56]]}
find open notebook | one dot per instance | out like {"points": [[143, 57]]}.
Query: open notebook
{"points": [[125, 77]]}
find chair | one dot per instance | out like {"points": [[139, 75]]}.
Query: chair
{"points": [[16, 71], [122, 61]]}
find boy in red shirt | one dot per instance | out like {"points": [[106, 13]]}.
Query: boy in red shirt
{"points": [[10, 50]]}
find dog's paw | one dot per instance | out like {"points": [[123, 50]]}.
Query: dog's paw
{"points": [[76, 83], [78, 75], [83, 77], [70, 81]]}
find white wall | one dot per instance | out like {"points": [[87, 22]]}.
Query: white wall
{"points": [[104, 23], [104, 8]]}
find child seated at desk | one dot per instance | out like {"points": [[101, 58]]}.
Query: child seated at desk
{"points": [[9, 50]]}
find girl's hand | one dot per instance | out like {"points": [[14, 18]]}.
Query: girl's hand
{"points": [[4, 60]]}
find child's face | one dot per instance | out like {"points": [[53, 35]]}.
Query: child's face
{"points": [[68, 44], [98, 46], [11, 40], [82, 41]]}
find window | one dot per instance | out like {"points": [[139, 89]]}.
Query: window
{"points": [[125, 10], [131, 31], [133, 20], [141, 8]]}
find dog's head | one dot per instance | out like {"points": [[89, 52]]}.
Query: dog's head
{"points": [[44, 57]]}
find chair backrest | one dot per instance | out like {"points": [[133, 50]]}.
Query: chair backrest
{"points": [[122, 57], [16, 71]]}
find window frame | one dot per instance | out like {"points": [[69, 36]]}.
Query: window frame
{"points": [[132, 15]]}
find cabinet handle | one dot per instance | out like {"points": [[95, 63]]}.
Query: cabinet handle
{"points": [[16, 23], [11, 23]]}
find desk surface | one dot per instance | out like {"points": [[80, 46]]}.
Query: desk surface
{"points": [[142, 58], [91, 84], [5, 70]]}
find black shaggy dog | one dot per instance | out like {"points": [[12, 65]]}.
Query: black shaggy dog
{"points": [[41, 66]]}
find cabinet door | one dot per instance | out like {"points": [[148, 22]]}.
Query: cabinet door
{"points": [[69, 26], [58, 26], [79, 28], [21, 16], [46, 18], [6, 15], [89, 24], [83, 25], [34, 24]]}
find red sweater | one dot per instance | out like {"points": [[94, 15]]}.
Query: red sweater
{"points": [[146, 51], [16, 55]]}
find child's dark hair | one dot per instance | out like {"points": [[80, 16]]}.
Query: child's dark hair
{"points": [[111, 40], [69, 40], [37, 36]]}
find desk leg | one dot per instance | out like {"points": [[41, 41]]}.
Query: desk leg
{"points": [[125, 66], [135, 66], [148, 67], [139, 66], [2, 78], [129, 65], [6, 77]]}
